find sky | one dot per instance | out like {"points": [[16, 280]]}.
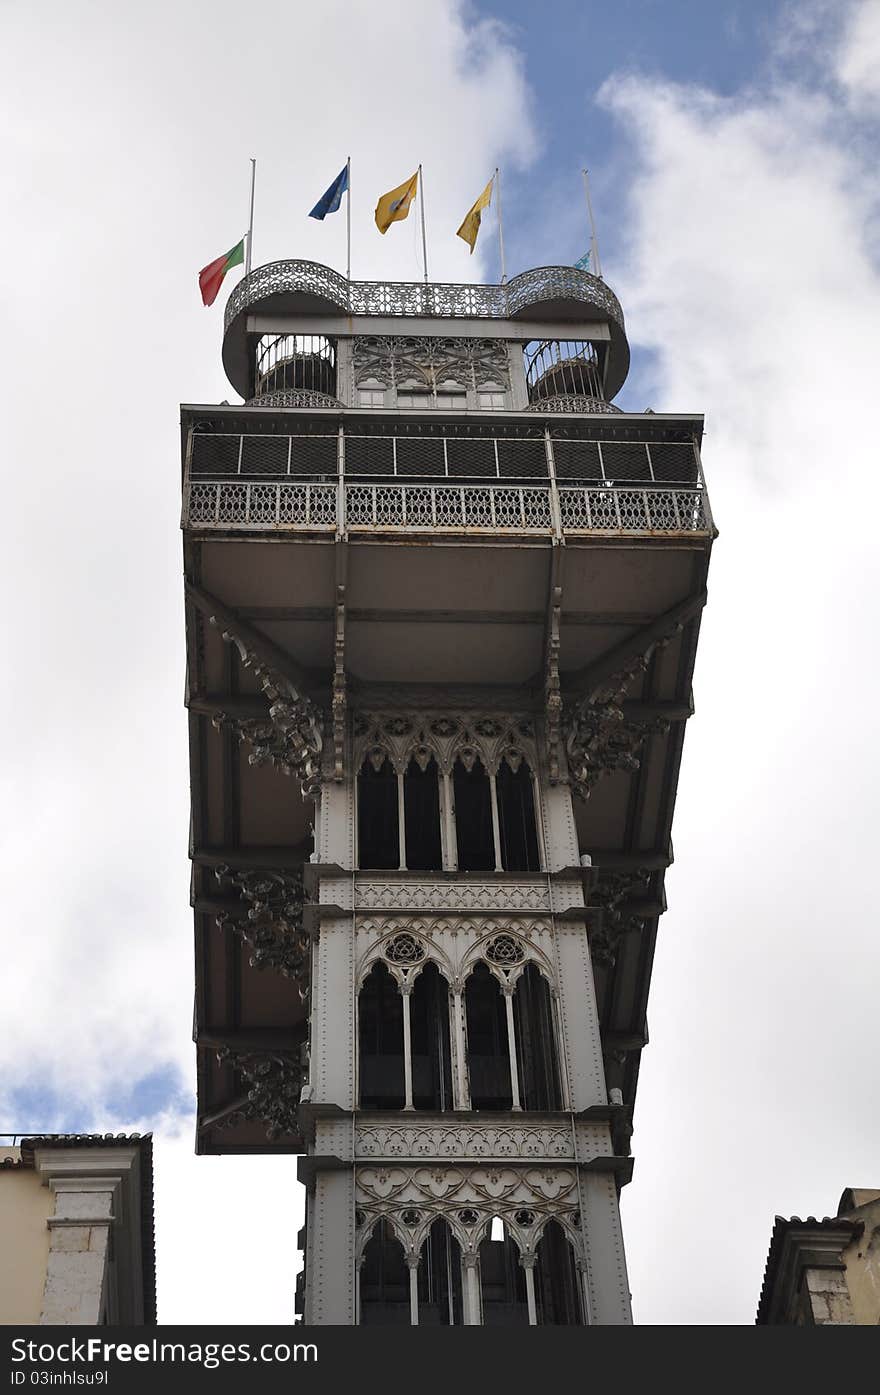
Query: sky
{"points": [[731, 150]]}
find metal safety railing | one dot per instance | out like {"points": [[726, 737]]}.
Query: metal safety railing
{"points": [[538, 484], [464, 508], [416, 298], [445, 453]]}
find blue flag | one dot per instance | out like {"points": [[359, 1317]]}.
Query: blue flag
{"points": [[329, 202]]}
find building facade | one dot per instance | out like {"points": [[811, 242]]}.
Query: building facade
{"points": [[443, 601], [76, 1230], [825, 1272]]}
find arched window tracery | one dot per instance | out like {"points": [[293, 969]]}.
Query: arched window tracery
{"points": [[465, 793], [512, 1052]]}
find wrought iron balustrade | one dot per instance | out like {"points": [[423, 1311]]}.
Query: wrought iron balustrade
{"points": [[449, 508], [545, 283], [248, 504], [418, 507]]}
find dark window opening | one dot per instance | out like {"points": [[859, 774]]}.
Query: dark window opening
{"points": [[421, 806], [536, 1055], [516, 819], [380, 1039], [488, 1057], [557, 1290], [384, 1280], [429, 1027], [440, 1278], [473, 818], [378, 823], [503, 1284]]}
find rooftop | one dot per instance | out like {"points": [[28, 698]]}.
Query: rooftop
{"points": [[307, 290]]}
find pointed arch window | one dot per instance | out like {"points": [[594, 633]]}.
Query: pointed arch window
{"points": [[380, 1041], [471, 819], [538, 1067], [429, 1036], [384, 1280], [440, 1288], [474, 815], [503, 1284], [488, 1054], [378, 814], [421, 803], [557, 1290], [517, 828]]}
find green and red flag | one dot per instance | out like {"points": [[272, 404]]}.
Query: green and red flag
{"points": [[211, 276]]}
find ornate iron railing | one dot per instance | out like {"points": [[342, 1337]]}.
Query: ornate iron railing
{"points": [[228, 504], [573, 402], [424, 299], [268, 506], [459, 508]]}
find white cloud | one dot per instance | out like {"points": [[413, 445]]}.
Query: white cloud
{"points": [[748, 278], [857, 60]]}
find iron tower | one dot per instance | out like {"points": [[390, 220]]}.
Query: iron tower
{"points": [[442, 607]]}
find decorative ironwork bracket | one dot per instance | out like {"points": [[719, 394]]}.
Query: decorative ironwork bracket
{"points": [[600, 739], [273, 926], [274, 1080], [612, 894], [599, 736], [290, 737]]}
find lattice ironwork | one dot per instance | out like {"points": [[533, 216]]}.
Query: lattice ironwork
{"points": [[459, 507], [573, 402], [612, 510], [296, 397], [213, 504], [445, 507], [544, 283], [430, 362]]}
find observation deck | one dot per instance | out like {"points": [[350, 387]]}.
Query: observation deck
{"points": [[307, 290]]}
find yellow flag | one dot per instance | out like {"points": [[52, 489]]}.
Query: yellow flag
{"points": [[395, 205], [471, 224]]}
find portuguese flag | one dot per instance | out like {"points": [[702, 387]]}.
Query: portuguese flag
{"points": [[211, 276]]}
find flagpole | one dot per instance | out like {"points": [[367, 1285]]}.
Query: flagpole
{"points": [[422, 210], [250, 240], [594, 241], [500, 225], [348, 218]]}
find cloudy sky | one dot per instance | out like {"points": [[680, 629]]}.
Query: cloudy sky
{"points": [[732, 150]]}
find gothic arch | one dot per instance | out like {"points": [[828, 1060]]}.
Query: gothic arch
{"points": [[405, 952], [404, 736], [506, 965]]}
